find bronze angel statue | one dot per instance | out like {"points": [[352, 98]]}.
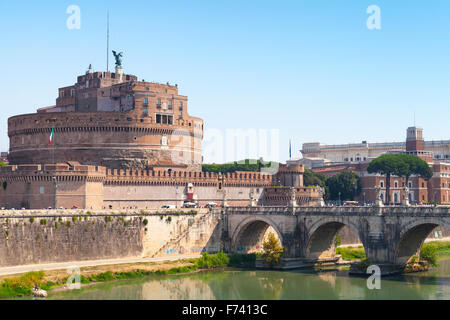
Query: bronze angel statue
{"points": [[118, 57]]}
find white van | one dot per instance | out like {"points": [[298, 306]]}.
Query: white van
{"points": [[169, 206]]}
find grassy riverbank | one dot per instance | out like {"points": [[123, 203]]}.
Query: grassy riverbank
{"points": [[431, 251], [22, 285]]}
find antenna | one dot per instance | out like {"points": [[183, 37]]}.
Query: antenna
{"points": [[107, 42]]}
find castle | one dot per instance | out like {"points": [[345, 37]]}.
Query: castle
{"points": [[114, 142]]}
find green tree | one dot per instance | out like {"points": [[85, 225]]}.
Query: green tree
{"points": [[2, 164], [272, 250], [416, 166], [401, 165], [311, 178], [345, 183], [243, 165], [388, 165]]}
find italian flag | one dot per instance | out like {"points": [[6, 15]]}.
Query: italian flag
{"points": [[51, 137]]}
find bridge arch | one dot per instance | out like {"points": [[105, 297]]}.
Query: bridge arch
{"points": [[251, 232], [413, 235], [321, 240]]}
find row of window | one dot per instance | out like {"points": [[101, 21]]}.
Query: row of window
{"points": [[410, 184], [170, 106], [356, 159]]}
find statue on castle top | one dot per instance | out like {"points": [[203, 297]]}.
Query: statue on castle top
{"points": [[118, 57]]}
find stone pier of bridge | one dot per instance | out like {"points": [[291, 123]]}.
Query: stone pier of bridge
{"points": [[391, 236]]}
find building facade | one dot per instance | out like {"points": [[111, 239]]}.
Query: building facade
{"points": [[416, 190]]}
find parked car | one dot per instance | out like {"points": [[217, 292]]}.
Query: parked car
{"points": [[190, 205], [211, 205]]}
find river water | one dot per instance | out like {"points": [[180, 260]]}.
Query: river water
{"points": [[232, 284]]}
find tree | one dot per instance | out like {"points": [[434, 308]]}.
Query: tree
{"points": [[401, 165], [311, 178], [417, 166], [345, 185], [2, 164], [388, 165], [272, 250]]}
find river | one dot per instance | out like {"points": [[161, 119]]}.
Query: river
{"points": [[232, 284]]}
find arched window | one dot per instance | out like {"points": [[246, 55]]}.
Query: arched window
{"points": [[381, 184]]}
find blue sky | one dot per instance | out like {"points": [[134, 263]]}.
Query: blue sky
{"points": [[311, 69]]}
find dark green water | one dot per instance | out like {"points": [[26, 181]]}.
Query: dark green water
{"points": [[233, 284]]}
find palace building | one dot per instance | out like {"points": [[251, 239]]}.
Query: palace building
{"points": [[112, 141], [356, 158]]}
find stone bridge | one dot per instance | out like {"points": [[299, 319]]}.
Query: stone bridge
{"points": [[390, 235]]}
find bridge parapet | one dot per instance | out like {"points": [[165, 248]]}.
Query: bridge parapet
{"points": [[343, 210]]}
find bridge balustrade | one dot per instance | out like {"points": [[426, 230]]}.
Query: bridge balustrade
{"points": [[342, 210]]}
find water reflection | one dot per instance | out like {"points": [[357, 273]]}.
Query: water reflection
{"points": [[265, 285]]}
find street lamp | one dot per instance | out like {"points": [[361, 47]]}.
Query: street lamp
{"points": [[339, 198]]}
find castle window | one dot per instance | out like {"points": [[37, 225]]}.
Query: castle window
{"points": [[396, 184], [158, 103], [145, 111], [381, 184], [146, 89], [423, 184], [181, 105], [410, 184], [181, 114], [170, 105], [145, 100], [164, 119]]}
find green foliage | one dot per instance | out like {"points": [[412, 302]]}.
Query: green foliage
{"points": [[3, 164], [4, 185], [242, 165], [31, 220], [169, 219], [219, 259], [43, 222], [363, 265], [338, 240], [350, 253], [74, 219], [7, 233], [56, 225], [429, 253], [22, 285], [145, 222], [311, 178], [347, 183], [108, 219], [272, 250]]}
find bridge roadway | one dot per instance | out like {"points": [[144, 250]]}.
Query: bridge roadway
{"points": [[391, 236]]}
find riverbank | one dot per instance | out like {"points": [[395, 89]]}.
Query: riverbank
{"points": [[22, 285]]}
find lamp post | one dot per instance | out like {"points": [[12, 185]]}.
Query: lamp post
{"points": [[56, 187], [339, 197], [364, 196]]}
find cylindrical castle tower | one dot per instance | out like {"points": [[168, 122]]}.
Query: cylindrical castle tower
{"points": [[110, 120]]}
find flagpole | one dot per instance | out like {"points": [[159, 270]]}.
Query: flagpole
{"points": [[54, 164]]}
